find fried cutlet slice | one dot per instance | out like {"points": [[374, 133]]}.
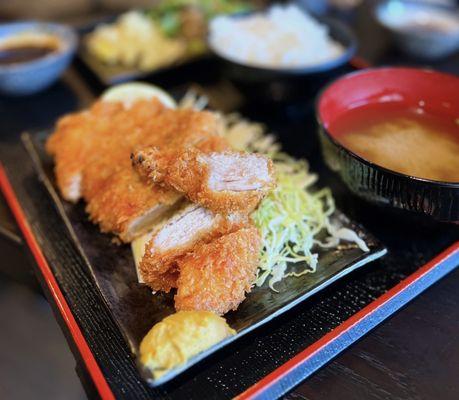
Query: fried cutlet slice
{"points": [[217, 275], [154, 162], [190, 227], [127, 206], [118, 199], [81, 137], [91, 151], [223, 181]]}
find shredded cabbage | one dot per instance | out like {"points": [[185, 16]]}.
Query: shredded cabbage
{"points": [[289, 220]]}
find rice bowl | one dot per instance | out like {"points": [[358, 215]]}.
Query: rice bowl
{"points": [[283, 37]]}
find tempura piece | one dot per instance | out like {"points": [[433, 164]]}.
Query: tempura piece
{"points": [[180, 336], [224, 182], [190, 227], [216, 276]]}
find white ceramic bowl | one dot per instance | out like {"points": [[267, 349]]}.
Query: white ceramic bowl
{"points": [[423, 30]]}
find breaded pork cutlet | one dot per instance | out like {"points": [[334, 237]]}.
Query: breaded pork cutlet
{"points": [[80, 138], [223, 181], [187, 229], [92, 151], [217, 275], [118, 199], [166, 129], [153, 162], [127, 206]]}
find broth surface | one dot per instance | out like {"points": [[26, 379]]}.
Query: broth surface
{"points": [[404, 140]]}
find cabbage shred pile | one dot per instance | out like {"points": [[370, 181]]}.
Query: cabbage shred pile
{"points": [[289, 218]]}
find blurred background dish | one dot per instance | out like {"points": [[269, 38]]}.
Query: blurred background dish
{"points": [[143, 41], [282, 37], [33, 55], [428, 30], [408, 124], [278, 53]]}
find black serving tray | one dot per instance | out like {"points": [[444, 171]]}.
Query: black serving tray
{"points": [[270, 360], [135, 309]]}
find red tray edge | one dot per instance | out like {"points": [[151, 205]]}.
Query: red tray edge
{"points": [[91, 364], [255, 390]]}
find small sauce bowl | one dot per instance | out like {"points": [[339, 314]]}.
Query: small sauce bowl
{"points": [[409, 87], [31, 76]]}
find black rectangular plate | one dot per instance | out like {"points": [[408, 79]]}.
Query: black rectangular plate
{"points": [[136, 310]]}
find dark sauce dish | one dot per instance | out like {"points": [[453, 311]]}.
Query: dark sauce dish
{"points": [[28, 67], [408, 87], [266, 82]]}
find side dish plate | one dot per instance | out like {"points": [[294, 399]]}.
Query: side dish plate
{"points": [[114, 74], [136, 310]]}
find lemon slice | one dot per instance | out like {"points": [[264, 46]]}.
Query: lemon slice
{"points": [[129, 93]]}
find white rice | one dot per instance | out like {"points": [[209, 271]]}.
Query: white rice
{"points": [[281, 37]]}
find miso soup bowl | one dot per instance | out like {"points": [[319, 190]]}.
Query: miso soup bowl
{"points": [[435, 92]]}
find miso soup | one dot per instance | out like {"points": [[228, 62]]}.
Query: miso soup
{"points": [[410, 141]]}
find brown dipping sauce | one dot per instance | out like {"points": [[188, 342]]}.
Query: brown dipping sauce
{"points": [[409, 141], [27, 47], [19, 54]]}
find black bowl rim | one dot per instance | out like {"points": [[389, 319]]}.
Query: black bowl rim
{"points": [[454, 185], [348, 53]]}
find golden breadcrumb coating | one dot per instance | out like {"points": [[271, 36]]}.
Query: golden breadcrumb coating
{"points": [[92, 156], [154, 162], [81, 137], [190, 227], [222, 181], [217, 275], [124, 198]]}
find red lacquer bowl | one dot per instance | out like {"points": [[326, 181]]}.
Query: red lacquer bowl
{"points": [[439, 94]]}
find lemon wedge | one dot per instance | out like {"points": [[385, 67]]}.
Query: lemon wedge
{"points": [[129, 93]]}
